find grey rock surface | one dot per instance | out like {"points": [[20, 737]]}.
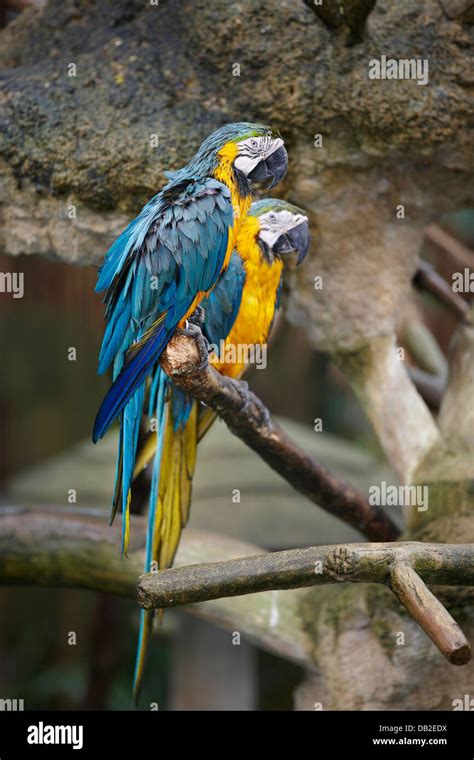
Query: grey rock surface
{"points": [[167, 70]]}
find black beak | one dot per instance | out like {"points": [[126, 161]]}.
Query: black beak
{"points": [[296, 240], [272, 168]]}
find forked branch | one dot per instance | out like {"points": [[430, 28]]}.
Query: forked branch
{"points": [[403, 567]]}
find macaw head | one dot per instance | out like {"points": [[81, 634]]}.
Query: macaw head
{"points": [[255, 153], [261, 154], [282, 228]]}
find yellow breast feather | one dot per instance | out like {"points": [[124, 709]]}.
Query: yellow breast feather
{"points": [[257, 308]]}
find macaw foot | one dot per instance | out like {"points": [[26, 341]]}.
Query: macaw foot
{"points": [[249, 398], [194, 331], [197, 317]]}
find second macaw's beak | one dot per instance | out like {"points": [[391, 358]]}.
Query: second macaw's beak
{"points": [[272, 168], [296, 240]]}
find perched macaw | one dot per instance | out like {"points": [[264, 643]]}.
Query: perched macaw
{"points": [[239, 311], [163, 264]]}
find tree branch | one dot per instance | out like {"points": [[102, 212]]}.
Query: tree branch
{"points": [[456, 418], [77, 549], [400, 566], [449, 244], [245, 415], [430, 387], [429, 376], [424, 348], [427, 278], [429, 613]]}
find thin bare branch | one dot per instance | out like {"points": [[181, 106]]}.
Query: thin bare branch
{"points": [[446, 242], [426, 278], [430, 387], [456, 418], [424, 347]]}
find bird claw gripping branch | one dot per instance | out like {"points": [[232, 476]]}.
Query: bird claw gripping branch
{"points": [[194, 331]]}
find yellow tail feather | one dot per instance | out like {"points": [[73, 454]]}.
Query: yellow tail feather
{"points": [[145, 453], [126, 538], [174, 494], [146, 449], [118, 489], [178, 461]]}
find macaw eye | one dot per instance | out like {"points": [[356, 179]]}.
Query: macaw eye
{"points": [[253, 143], [272, 217]]}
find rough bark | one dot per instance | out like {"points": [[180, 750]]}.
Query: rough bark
{"points": [[313, 566], [400, 566]]}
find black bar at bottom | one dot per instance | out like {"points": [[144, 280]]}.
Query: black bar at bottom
{"points": [[374, 734]]}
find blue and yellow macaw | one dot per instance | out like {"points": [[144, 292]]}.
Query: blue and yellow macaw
{"points": [[155, 275], [161, 267], [239, 311]]}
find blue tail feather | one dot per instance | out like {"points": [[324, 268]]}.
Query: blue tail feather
{"points": [[131, 418], [159, 382]]}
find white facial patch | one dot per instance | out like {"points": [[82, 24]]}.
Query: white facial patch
{"points": [[276, 223], [255, 149]]}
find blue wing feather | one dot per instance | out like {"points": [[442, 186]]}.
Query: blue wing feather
{"points": [[178, 242], [223, 303]]}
